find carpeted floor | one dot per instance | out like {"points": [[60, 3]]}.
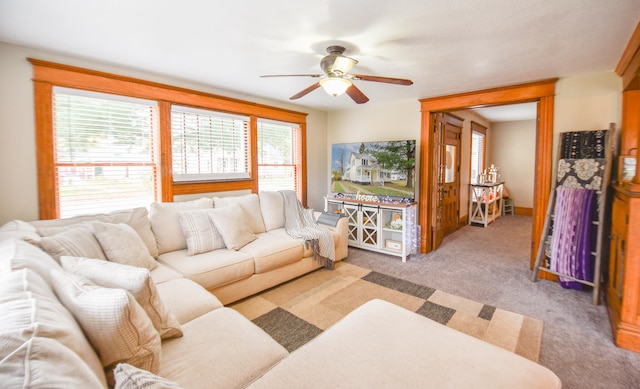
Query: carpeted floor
{"points": [[491, 265], [298, 311]]}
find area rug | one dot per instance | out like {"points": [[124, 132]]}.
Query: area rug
{"points": [[299, 310]]}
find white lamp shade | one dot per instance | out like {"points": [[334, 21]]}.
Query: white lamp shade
{"points": [[335, 86]]}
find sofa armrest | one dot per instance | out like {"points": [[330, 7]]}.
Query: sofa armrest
{"points": [[342, 230]]}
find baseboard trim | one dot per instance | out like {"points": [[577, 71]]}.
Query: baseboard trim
{"points": [[524, 211]]}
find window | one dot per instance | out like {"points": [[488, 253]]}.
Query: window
{"points": [[103, 151], [478, 148], [278, 155], [107, 142], [208, 145]]}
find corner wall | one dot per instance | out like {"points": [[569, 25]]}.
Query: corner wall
{"points": [[513, 151], [18, 175]]}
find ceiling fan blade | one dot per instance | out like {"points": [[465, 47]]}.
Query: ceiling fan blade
{"points": [[356, 94], [305, 91], [388, 80], [291, 75]]}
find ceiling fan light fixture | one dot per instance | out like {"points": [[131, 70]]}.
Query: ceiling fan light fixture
{"points": [[335, 86]]}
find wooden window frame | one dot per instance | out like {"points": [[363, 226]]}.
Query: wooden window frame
{"points": [[46, 75], [479, 129]]}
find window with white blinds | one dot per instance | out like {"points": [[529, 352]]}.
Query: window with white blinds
{"points": [[103, 151], [208, 145], [478, 147], [278, 155]]}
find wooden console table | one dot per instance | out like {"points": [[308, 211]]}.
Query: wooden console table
{"points": [[485, 203]]}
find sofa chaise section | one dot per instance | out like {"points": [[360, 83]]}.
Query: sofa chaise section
{"points": [[382, 345]]}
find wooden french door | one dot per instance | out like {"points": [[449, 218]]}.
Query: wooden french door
{"points": [[447, 130]]}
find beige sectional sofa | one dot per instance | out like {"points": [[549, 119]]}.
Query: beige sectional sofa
{"points": [[67, 321]]}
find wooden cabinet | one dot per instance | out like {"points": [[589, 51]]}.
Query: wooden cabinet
{"points": [[623, 286], [383, 227]]}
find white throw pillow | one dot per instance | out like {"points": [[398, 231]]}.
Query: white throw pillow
{"points": [[16, 254], [138, 218], [232, 225], [30, 315], [166, 225], [122, 244], [250, 204], [135, 280], [272, 208], [76, 242], [199, 232], [115, 324], [130, 377]]}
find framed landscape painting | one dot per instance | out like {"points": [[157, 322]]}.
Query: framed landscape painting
{"points": [[385, 168]]}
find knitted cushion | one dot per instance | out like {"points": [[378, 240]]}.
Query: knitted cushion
{"points": [[135, 280], [115, 324]]}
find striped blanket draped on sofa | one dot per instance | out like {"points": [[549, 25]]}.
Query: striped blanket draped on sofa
{"points": [[300, 223]]}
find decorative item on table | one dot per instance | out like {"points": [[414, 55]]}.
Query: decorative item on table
{"points": [[393, 244], [627, 166], [396, 222], [490, 175]]}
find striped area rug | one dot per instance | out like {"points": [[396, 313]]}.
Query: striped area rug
{"points": [[299, 310]]}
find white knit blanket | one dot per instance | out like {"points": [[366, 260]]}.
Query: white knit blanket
{"points": [[300, 223]]}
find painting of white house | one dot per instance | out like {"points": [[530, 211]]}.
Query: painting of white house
{"points": [[379, 168]]}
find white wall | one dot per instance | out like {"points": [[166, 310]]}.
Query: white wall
{"points": [[582, 103], [513, 150], [19, 190], [375, 122]]}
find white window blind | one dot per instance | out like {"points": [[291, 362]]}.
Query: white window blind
{"points": [[278, 155], [103, 151], [477, 155], [209, 145]]}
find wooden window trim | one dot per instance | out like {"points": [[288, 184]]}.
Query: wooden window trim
{"points": [[46, 75]]}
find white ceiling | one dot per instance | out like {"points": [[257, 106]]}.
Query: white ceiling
{"points": [[444, 46], [509, 113]]}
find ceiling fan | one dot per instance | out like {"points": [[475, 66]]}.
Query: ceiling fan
{"points": [[336, 79]]}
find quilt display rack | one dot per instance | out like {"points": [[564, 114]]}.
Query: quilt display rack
{"points": [[572, 236]]}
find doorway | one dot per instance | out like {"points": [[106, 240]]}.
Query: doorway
{"points": [[541, 92]]}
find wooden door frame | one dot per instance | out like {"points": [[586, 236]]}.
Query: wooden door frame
{"points": [[542, 92]]}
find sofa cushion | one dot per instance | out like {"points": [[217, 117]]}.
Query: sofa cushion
{"points": [[33, 316], [187, 299], [271, 251], [17, 254], [166, 224], [77, 242], [199, 232], [122, 244], [19, 229], [308, 250], [130, 377], [135, 280], [272, 207], [231, 222], [212, 269], [115, 324], [163, 273], [29, 365], [138, 218], [378, 332], [228, 347], [250, 204]]}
